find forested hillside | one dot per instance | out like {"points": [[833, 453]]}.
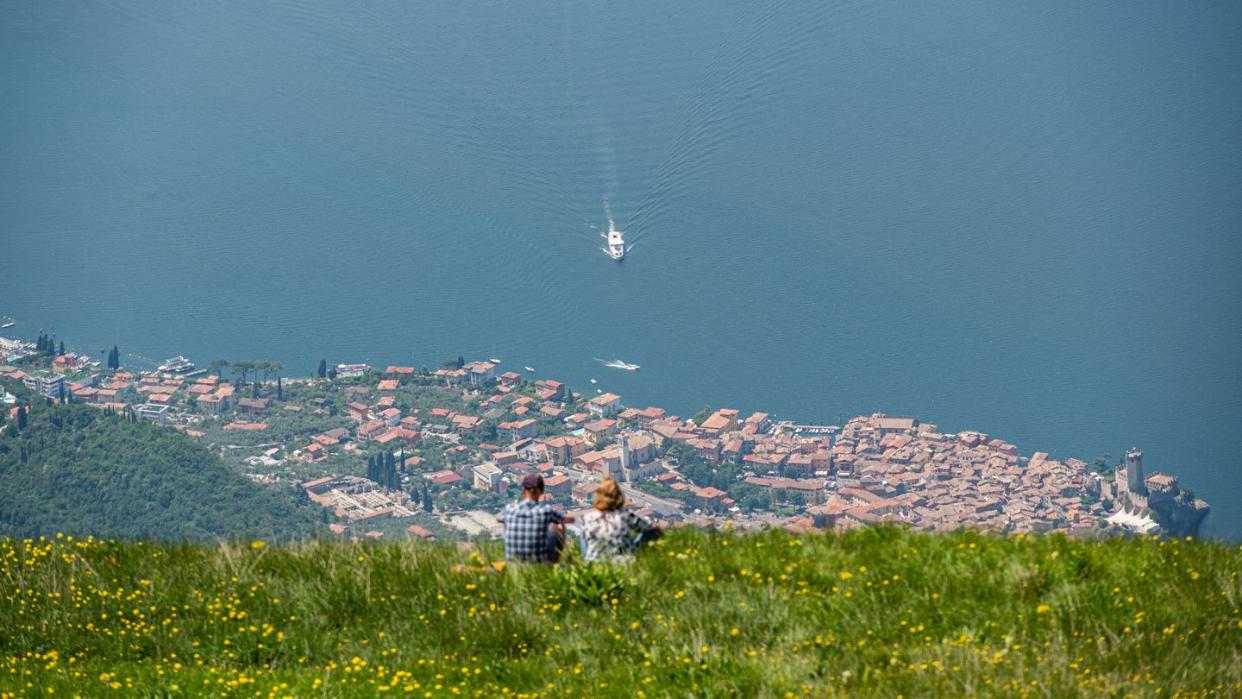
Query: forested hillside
{"points": [[77, 470]]}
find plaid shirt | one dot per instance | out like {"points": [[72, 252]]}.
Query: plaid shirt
{"points": [[526, 529]]}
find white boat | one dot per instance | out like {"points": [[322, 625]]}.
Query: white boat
{"points": [[177, 364], [494, 360], [8, 324], [616, 248], [594, 381], [529, 368]]}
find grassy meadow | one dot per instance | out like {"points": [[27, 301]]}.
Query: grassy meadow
{"points": [[883, 612]]}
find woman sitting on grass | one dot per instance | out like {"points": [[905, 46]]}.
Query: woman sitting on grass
{"points": [[610, 533]]}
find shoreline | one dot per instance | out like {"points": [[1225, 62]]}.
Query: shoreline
{"points": [[870, 469]]}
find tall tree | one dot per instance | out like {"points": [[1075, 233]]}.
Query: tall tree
{"points": [[61, 351], [393, 479], [280, 392], [323, 368], [426, 498]]}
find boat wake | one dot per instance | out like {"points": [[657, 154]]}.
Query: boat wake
{"points": [[618, 364]]}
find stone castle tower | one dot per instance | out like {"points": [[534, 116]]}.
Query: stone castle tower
{"points": [[1134, 472]]}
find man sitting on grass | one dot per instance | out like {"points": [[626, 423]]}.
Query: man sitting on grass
{"points": [[534, 530]]}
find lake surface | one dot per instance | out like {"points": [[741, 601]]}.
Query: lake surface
{"points": [[1022, 218]]}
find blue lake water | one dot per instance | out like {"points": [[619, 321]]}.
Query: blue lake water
{"points": [[1022, 218]]}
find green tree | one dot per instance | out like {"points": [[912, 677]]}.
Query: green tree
{"points": [[61, 350], [1100, 465], [323, 368]]}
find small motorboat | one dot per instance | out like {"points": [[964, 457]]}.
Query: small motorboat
{"points": [[616, 248]]}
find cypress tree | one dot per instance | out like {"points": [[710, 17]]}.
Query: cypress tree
{"points": [[323, 368], [61, 351], [280, 393], [426, 498], [21, 417]]}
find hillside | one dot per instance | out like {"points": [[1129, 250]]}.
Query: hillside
{"points": [[74, 469], [878, 611]]}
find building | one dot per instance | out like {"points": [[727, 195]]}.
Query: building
{"points": [[347, 371], [253, 405], [158, 413], [481, 373], [560, 487], [1134, 472], [605, 405], [723, 420], [885, 425], [487, 477], [47, 384], [518, 429]]}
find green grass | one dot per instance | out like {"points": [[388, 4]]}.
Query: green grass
{"points": [[880, 612]]}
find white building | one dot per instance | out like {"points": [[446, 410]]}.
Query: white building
{"points": [[487, 477]]}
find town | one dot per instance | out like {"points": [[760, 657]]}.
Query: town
{"points": [[408, 451]]}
